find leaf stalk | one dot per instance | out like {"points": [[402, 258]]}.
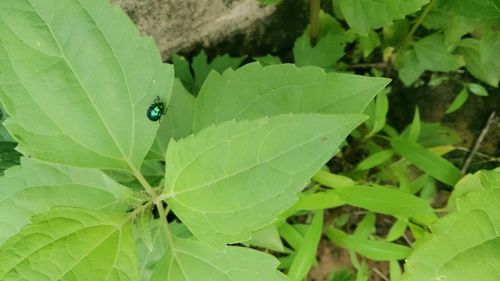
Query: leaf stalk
{"points": [[417, 24], [314, 27]]}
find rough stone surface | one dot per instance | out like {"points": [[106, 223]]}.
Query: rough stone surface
{"points": [[185, 25]]}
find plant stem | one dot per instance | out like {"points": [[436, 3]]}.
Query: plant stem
{"points": [[163, 218], [169, 236], [138, 175], [314, 28], [368, 65], [419, 21]]}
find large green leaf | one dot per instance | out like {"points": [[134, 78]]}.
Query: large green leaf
{"points": [[35, 187], [235, 178], [77, 79], [191, 260], [71, 244], [429, 53], [281, 89], [177, 123], [364, 15], [470, 182], [462, 239]]}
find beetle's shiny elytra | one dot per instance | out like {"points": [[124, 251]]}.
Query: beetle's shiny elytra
{"points": [[156, 110]]}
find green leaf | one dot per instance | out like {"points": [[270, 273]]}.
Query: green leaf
{"points": [[268, 238], [5, 136], [400, 170], [345, 274], [470, 182], [329, 48], [366, 226], [280, 89], [377, 113], [427, 161], [318, 201], [487, 71], [306, 254], [388, 201], [394, 270], [8, 155], [429, 53], [364, 15], [177, 122], [474, 8], [477, 89], [144, 222], [434, 134], [459, 100], [183, 71], [291, 235], [189, 259], [147, 257], [397, 230], [201, 67], [409, 67], [414, 130], [373, 249], [369, 42], [429, 190], [363, 271], [490, 42], [34, 187], [375, 159], [433, 55], [68, 243], [77, 80], [327, 51], [331, 180], [456, 27], [248, 171], [437, 80], [395, 34], [463, 239], [268, 60]]}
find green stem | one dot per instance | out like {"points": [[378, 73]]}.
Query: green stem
{"points": [[164, 224], [416, 25], [314, 28], [145, 184]]}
